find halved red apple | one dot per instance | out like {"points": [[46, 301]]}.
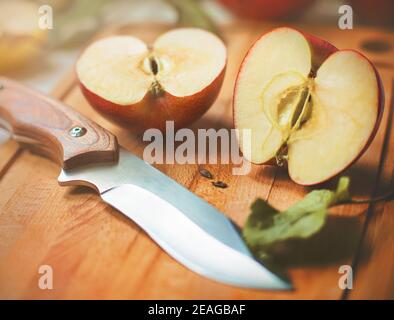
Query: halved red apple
{"points": [[307, 103], [178, 78]]}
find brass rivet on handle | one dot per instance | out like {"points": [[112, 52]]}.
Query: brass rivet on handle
{"points": [[77, 132]]}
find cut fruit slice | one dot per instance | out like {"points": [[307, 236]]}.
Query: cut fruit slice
{"points": [[319, 125], [178, 78]]}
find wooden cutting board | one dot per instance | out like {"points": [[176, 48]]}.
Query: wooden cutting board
{"points": [[95, 252]]}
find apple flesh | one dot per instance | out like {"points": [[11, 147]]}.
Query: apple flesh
{"points": [[306, 103], [176, 79]]}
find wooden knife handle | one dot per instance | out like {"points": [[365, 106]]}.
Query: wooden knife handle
{"points": [[53, 129]]}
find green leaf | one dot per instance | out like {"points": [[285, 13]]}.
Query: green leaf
{"points": [[266, 226], [342, 193], [191, 14]]}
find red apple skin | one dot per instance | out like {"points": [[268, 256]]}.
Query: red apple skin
{"points": [[266, 9], [322, 50], [153, 112]]}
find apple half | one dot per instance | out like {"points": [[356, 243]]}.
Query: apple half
{"points": [[306, 104], [177, 78]]}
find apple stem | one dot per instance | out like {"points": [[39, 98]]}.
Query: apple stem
{"points": [[156, 89], [312, 74], [281, 157], [385, 197]]}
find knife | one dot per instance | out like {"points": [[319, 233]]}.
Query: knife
{"points": [[185, 226]]}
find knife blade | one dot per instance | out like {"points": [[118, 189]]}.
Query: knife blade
{"points": [[189, 229]]}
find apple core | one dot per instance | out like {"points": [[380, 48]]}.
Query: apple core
{"points": [[306, 104], [286, 100]]}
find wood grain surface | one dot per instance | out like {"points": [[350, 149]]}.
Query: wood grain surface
{"points": [[95, 252]]}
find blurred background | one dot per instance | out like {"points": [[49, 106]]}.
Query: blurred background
{"points": [[40, 57]]}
